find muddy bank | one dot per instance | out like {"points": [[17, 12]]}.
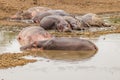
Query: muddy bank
{"points": [[10, 7], [8, 60]]}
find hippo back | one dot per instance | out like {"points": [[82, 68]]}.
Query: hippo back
{"points": [[31, 34], [69, 44], [53, 22], [58, 12]]}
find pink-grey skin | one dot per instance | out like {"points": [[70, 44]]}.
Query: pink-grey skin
{"points": [[58, 12], [63, 43], [29, 14], [74, 22], [31, 34], [55, 22], [39, 16], [93, 20]]}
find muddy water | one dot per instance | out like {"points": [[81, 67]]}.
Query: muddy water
{"points": [[8, 42], [102, 66]]}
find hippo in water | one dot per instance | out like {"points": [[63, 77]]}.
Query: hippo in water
{"points": [[40, 16], [31, 34], [90, 19], [62, 43], [30, 13], [55, 22]]}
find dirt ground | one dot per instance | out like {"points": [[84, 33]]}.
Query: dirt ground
{"points": [[10, 7]]}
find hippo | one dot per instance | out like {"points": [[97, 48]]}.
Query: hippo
{"points": [[30, 13], [91, 19], [55, 22], [31, 34], [62, 43], [74, 22], [40, 16], [58, 12]]}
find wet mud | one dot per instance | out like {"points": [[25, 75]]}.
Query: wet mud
{"points": [[9, 60]]}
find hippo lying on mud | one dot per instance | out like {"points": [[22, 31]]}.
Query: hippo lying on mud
{"points": [[40, 16], [31, 34], [74, 22], [62, 44], [30, 13], [92, 20], [55, 22]]}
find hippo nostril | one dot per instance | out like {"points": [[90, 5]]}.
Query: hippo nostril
{"points": [[19, 38]]}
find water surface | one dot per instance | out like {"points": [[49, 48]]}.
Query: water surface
{"points": [[102, 66]]}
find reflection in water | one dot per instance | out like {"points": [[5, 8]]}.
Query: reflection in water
{"points": [[64, 55], [13, 47], [102, 66]]}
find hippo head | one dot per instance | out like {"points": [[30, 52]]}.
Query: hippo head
{"points": [[31, 34], [36, 19], [21, 15], [76, 25], [64, 27], [17, 16], [26, 15]]}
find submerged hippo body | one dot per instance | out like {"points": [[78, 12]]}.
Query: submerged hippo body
{"points": [[55, 22], [90, 19], [31, 34], [30, 13], [62, 44], [40, 16]]}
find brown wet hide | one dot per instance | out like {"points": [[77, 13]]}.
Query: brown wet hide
{"points": [[55, 22]]}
